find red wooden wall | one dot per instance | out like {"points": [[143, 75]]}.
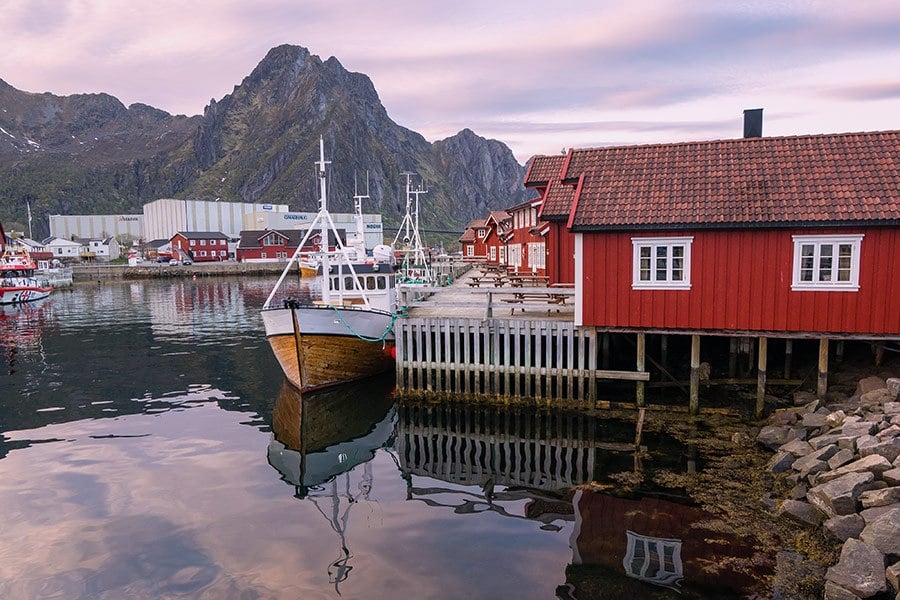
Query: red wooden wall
{"points": [[741, 281], [560, 260]]}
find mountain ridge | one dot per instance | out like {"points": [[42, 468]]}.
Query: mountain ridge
{"points": [[90, 154]]}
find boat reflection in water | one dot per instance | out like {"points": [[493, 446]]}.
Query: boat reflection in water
{"points": [[21, 327], [319, 441]]}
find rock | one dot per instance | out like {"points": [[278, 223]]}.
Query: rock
{"points": [[892, 408], [798, 448], [883, 533], [801, 512], [835, 592], [839, 497], [893, 388], [889, 432], [772, 436], [860, 569], [889, 449], [835, 419], [844, 527], [875, 464], [781, 462], [739, 438], [859, 428], [783, 417], [882, 497], [821, 441], [803, 398], [893, 576], [798, 492], [822, 454], [892, 477], [812, 420], [869, 384], [847, 443], [874, 398], [840, 459], [870, 514]]}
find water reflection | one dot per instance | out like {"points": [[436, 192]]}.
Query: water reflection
{"points": [[21, 330]]}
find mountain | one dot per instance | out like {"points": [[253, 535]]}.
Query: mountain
{"points": [[89, 154]]}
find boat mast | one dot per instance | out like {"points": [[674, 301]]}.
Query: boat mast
{"points": [[323, 218]]}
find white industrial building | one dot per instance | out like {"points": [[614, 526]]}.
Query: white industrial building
{"points": [[165, 217], [302, 220], [96, 226]]}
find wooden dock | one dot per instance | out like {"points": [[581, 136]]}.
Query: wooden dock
{"points": [[470, 342]]}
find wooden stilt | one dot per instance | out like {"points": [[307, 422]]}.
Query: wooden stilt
{"points": [[694, 406], [732, 357], [822, 387], [761, 376], [788, 355], [839, 351], [641, 355]]}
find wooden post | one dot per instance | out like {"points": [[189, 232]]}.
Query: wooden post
{"points": [[823, 368], [641, 355], [732, 357], [761, 376], [694, 406], [788, 354], [839, 352]]}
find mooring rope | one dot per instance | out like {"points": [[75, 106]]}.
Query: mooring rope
{"points": [[364, 338]]}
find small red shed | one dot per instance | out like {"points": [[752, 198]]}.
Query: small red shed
{"points": [[201, 246]]}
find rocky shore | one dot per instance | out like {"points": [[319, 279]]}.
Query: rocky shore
{"points": [[836, 468]]}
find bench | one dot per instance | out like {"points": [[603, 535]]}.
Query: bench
{"points": [[537, 298]]}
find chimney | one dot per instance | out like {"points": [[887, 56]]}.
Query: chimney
{"points": [[753, 123]]}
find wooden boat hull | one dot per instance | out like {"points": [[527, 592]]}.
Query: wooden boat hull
{"points": [[318, 347]]}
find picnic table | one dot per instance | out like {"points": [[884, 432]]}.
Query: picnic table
{"points": [[486, 280], [544, 298], [528, 280]]}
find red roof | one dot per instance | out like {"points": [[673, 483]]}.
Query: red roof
{"points": [[543, 168], [818, 179]]}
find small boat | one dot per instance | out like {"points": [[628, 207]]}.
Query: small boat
{"points": [[415, 263], [341, 328], [18, 283]]}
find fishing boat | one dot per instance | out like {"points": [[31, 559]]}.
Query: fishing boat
{"points": [[18, 283], [415, 263], [342, 329]]}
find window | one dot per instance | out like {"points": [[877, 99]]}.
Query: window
{"points": [[263, 255], [470, 250], [537, 255], [482, 233], [192, 242], [502, 255], [826, 262], [272, 239], [202, 252], [661, 263], [493, 253], [221, 253], [514, 254], [202, 242]]}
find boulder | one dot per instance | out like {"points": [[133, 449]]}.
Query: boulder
{"points": [[893, 388], [869, 384], [773, 436], [892, 408], [781, 462], [783, 417], [859, 428], [822, 454], [892, 477], [835, 419], [893, 576], [840, 459], [801, 512], [844, 527], [870, 514], [821, 441], [859, 570], [839, 497], [883, 533], [889, 449], [874, 398], [882, 497], [798, 492], [813, 420], [796, 447], [803, 398], [889, 432], [835, 592], [875, 464]]}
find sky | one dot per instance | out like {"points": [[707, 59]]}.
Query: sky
{"points": [[539, 76]]}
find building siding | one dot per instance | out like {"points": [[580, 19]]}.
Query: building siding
{"points": [[741, 281]]}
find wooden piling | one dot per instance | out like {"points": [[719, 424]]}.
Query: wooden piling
{"points": [[694, 402], [761, 376], [822, 386], [641, 355]]}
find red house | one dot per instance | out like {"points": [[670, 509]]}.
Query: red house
{"points": [[472, 240], [270, 245], [524, 240], [497, 224], [794, 235], [201, 246], [545, 176]]}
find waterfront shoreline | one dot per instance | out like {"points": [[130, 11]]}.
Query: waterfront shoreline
{"points": [[102, 272]]}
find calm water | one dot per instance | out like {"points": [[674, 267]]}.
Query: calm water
{"points": [[149, 449]]}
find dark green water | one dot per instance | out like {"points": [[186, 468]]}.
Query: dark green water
{"points": [[149, 449]]}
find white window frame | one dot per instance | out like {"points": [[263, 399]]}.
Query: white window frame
{"points": [[514, 255], [828, 283], [537, 255], [470, 250], [493, 253], [482, 233], [656, 243]]}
